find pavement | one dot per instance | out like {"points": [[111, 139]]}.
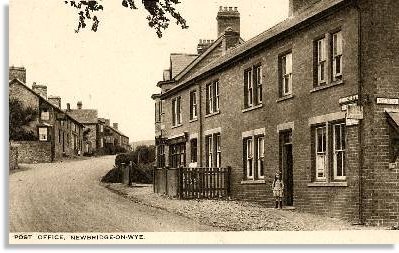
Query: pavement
{"points": [[68, 197]]}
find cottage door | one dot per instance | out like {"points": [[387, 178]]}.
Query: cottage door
{"points": [[287, 167]]}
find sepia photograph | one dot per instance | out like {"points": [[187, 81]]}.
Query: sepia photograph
{"points": [[202, 122]]}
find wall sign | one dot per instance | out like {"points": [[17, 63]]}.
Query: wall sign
{"points": [[349, 99], [354, 112], [388, 101]]}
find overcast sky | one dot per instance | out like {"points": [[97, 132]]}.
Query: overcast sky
{"points": [[115, 70]]}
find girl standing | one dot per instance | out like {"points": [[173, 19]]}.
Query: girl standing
{"points": [[278, 187]]}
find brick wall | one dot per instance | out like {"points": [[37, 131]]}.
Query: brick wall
{"points": [[380, 64], [33, 151], [13, 157]]}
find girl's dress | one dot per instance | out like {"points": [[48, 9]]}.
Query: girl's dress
{"points": [[278, 187]]}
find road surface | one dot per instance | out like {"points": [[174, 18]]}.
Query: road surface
{"points": [[67, 197]]}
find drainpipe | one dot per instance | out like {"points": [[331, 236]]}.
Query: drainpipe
{"points": [[361, 102], [200, 135]]}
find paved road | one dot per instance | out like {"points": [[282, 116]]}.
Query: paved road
{"points": [[67, 197]]}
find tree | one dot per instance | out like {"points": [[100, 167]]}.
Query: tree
{"points": [[160, 12], [20, 118]]}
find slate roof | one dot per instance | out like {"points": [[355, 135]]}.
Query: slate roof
{"points": [[179, 61], [266, 36], [85, 116]]}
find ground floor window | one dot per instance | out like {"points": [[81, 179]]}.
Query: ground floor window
{"points": [[177, 155], [161, 156], [43, 134], [254, 155], [193, 149], [214, 153], [330, 151]]}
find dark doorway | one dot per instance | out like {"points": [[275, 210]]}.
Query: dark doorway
{"points": [[63, 142], [286, 166]]}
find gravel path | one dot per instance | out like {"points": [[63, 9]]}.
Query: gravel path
{"points": [[67, 197], [233, 215]]}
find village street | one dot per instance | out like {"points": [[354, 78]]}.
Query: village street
{"points": [[67, 197]]}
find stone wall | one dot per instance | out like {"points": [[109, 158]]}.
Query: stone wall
{"points": [[13, 157], [33, 151]]}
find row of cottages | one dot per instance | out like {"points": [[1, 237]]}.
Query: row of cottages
{"points": [[61, 133], [315, 97], [55, 133]]}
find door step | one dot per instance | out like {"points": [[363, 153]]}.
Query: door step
{"points": [[288, 207]]}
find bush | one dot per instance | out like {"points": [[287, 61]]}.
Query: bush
{"points": [[113, 176], [142, 173], [122, 158]]}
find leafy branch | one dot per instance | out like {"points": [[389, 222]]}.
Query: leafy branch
{"points": [[160, 13]]}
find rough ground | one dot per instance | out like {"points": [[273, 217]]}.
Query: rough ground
{"points": [[67, 197], [233, 215]]}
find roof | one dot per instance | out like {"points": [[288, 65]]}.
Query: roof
{"points": [[117, 131], [85, 116], [44, 100], [267, 36], [179, 61]]}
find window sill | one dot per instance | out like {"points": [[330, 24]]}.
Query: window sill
{"points": [[193, 120], [212, 114], [335, 83], [252, 108], [329, 184], [285, 98], [177, 126], [253, 181]]}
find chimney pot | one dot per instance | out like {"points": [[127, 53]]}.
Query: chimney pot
{"points": [[55, 100], [79, 105], [115, 125], [41, 90], [230, 8], [225, 8], [220, 8], [68, 106], [17, 73]]}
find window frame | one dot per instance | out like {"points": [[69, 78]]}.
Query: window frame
{"points": [[342, 149], [193, 105], [194, 150], [40, 134], [322, 153], [253, 91], [176, 111], [44, 112], [321, 61], [260, 156], [337, 55], [286, 74]]}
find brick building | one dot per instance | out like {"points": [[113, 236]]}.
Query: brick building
{"points": [[315, 97], [56, 134]]}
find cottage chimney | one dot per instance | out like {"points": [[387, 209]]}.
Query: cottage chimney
{"points": [[17, 73], [68, 107], [107, 122], [79, 105], [115, 125], [228, 17], [40, 90], [55, 100], [297, 6], [203, 45], [231, 39]]}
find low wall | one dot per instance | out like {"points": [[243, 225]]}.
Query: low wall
{"points": [[33, 151], [13, 157]]}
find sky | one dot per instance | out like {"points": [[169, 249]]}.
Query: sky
{"points": [[115, 70]]}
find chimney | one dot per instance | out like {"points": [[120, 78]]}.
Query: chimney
{"points": [[55, 100], [79, 105], [231, 39], [228, 17], [107, 122], [17, 73], [115, 125], [68, 107], [40, 89], [297, 6], [203, 45]]}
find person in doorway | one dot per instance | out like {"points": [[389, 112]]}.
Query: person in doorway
{"points": [[278, 187]]}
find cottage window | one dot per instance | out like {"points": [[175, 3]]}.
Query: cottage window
{"points": [[339, 151], [176, 111], [45, 115], [43, 134], [337, 56], [286, 74], [321, 55], [254, 156], [249, 158], [177, 155], [161, 156], [214, 153], [260, 156], [253, 86], [193, 105], [330, 151], [212, 97], [193, 148], [101, 128], [321, 152]]}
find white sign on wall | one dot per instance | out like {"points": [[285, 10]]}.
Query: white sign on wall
{"points": [[388, 101]]}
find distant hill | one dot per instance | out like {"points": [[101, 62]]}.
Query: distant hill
{"points": [[140, 143]]}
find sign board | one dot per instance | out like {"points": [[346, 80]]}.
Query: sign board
{"points": [[388, 101], [349, 99], [354, 112]]}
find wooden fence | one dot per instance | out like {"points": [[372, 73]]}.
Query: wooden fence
{"points": [[193, 183]]}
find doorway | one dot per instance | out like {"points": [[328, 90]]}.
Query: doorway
{"points": [[286, 166]]}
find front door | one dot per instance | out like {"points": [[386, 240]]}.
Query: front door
{"points": [[287, 166]]}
